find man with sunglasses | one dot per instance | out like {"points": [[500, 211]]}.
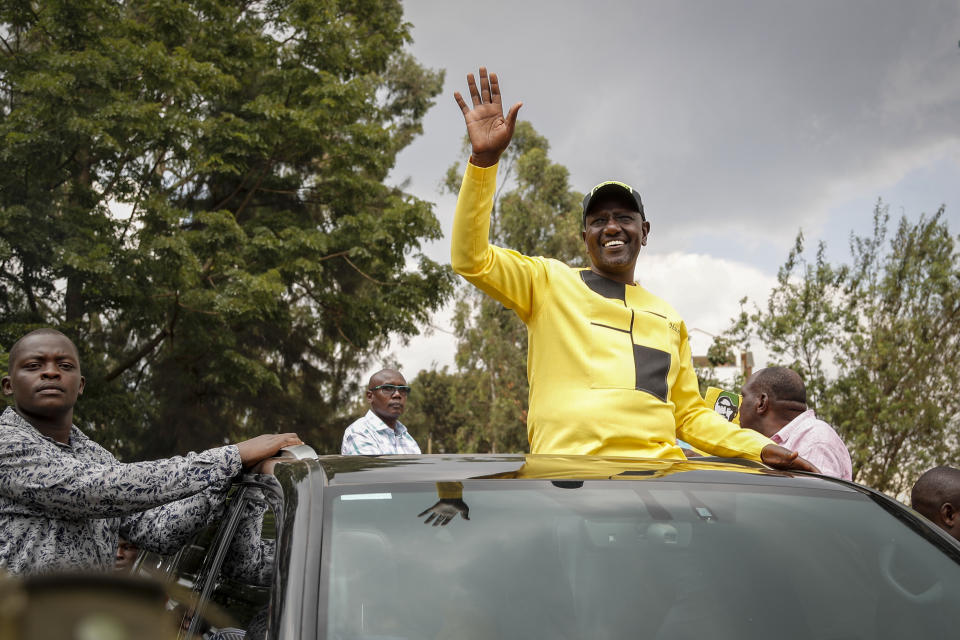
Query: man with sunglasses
{"points": [[379, 431]]}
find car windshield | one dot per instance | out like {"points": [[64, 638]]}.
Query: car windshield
{"points": [[628, 559]]}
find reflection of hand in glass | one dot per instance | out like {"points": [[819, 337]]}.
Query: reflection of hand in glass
{"points": [[445, 510]]}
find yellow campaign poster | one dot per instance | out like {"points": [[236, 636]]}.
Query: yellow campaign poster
{"points": [[726, 403]]}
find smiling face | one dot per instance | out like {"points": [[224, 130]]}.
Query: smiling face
{"points": [[44, 378], [613, 233], [387, 404]]}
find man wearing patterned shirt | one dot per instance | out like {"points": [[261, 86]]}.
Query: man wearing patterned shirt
{"points": [[775, 404], [65, 501], [379, 431]]}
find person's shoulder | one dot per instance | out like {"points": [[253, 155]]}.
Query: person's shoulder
{"points": [[359, 424], [825, 429], [653, 302], [808, 426], [14, 429], [81, 440]]}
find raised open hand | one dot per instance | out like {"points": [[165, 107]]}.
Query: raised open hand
{"points": [[489, 131]]}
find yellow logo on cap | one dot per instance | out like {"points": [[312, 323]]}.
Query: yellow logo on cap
{"points": [[616, 182]]}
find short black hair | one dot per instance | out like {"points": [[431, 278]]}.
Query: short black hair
{"points": [[781, 383], [934, 488], [18, 345]]}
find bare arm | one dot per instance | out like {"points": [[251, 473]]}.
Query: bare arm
{"points": [[778, 457]]}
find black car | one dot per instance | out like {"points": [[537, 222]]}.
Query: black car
{"points": [[514, 546]]}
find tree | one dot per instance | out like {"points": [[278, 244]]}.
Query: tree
{"points": [[895, 400], [877, 342], [803, 315], [535, 213], [261, 256], [447, 409], [723, 351]]}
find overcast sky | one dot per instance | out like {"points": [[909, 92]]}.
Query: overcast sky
{"points": [[740, 122]]}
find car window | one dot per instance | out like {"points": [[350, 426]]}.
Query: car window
{"points": [[219, 585], [616, 559], [182, 572], [234, 602]]}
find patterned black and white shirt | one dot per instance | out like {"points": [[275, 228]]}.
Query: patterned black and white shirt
{"points": [[63, 507]]}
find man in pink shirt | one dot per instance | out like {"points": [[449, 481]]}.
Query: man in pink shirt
{"points": [[775, 404]]}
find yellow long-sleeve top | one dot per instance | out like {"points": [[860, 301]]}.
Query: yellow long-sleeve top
{"points": [[608, 363]]}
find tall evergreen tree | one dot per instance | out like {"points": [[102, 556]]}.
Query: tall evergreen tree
{"points": [[195, 191]]}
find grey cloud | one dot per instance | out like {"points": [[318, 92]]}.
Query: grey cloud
{"points": [[734, 111]]}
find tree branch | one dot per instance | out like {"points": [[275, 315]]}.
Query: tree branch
{"points": [[146, 349], [139, 355], [370, 278]]}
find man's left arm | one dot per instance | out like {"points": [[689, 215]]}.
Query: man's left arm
{"points": [[166, 528], [706, 429]]}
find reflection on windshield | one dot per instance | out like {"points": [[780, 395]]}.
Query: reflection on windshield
{"points": [[619, 559], [449, 503]]}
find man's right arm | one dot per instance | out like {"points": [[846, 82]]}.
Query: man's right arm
{"points": [[69, 488], [505, 275], [66, 487]]}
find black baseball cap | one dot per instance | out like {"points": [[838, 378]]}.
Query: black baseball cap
{"points": [[614, 186]]}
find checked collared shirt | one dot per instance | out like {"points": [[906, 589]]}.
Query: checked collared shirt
{"points": [[63, 507], [371, 436]]}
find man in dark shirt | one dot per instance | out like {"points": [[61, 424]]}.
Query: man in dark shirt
{"points": [[65, 500]]}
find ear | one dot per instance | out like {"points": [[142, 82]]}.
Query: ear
{"points": [[949, 515], [369, 395], [763, 404], [645, 226], [583, 235], [83, 383], [7, 386]]}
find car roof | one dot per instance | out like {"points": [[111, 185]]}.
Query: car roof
{"points": [[392, 469], [354, 472]]}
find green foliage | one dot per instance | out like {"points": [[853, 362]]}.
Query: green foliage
{"points": [[802, 316], [877, 342], [263, 256], [896, 396], [445, 410], [535, 213]]}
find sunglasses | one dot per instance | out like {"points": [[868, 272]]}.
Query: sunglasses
{"points": [[390, 389]]}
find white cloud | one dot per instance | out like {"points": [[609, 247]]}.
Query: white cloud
{"points": [[705, 290]]}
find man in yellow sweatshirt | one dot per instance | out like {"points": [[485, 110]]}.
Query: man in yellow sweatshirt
{"points": [[609, 363]]}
